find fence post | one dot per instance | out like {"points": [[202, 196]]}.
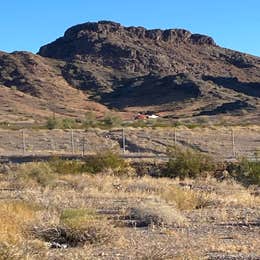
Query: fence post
{"points": [[233, 143], [123, 139], [72, 141], [52, 144], [175, 136], [24, 148], [83, 146]]}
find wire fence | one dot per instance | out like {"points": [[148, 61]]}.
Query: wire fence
{"points": [[223, 143]]}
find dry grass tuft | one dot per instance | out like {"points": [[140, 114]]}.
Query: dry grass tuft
{"points": [[14, 217], [185, 199], [77, 227], [156, 213]]}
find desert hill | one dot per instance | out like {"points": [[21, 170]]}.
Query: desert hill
{"points": [[104, 65]]}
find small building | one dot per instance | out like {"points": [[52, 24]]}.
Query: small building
{"points": [[152, 116], [140, 117]]}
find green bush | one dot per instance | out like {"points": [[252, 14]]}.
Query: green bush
{"points": [[52, 123], [56, 123], [111, 120], [90, 120], [105, 161], [68, 123], [245, 171], [187, 163], [40, 173], [62, 166]]}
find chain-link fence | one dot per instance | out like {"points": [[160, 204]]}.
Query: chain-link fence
{"points": [[222, 143]]}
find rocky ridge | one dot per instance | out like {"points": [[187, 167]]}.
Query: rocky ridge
{"points": [[171, 72]]}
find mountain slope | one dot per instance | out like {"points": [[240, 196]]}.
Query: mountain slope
{"points": [[33, 87], [171, 72]]}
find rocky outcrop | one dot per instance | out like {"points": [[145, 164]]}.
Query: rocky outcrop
{"points": [[86, 38]]}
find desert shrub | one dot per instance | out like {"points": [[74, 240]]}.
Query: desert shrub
{"points": [[76, 228], [57, 123], [185, 199], [187, 163], [245, 171], [107, 160], [62, 166], [40, 173], [67, 123], [154, 213], [112, 120], [52, 123], [90, 119]]}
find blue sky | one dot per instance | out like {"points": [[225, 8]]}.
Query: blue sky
{"points": [[29, 24]]}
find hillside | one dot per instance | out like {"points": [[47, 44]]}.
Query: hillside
{"points": [[104, 65]]}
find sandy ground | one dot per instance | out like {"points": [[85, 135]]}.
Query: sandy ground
{"points": [[224, 226]]}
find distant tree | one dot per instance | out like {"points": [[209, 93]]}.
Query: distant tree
{"points": [[52, 123], [111, 120], [90, 119]]}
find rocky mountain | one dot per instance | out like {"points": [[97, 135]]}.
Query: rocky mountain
{"points": [[104, 65]]}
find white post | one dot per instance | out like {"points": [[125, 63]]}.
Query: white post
{"points": [[83, 146], [24, 148], [72, 142], [233, 143], [123, 139], [175, 137]]}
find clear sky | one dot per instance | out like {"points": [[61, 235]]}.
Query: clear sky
{"points": [[29, 24]]}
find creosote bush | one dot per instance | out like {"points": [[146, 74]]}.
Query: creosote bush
{"points": [[90, 120], [40, 173], [187, 163], [245, 171], [46, 173], [107, 160], [62, 166], [57, 123], [112, 120]]}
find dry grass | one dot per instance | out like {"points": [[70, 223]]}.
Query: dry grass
{"points": [[186, 199], [77, 227], [158, 213], [100, 217], [14, 217]]}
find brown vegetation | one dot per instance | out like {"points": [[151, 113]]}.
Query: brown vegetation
{"points": [[47, 213]]}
